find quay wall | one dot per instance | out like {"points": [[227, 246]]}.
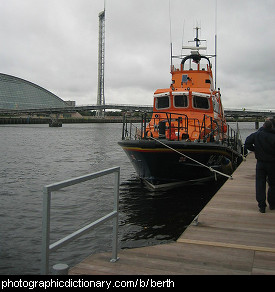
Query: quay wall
{"points": [[63, 121], [108, 119]]}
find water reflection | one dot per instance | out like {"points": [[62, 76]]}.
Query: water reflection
{"points": [[148, 218]]}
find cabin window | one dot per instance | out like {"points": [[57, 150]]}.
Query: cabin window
{"points": [[180, 101], [216, 105], [200, 102], [162, 102], [184, 79]]}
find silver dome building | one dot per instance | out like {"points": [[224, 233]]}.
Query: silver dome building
{"points": [[17, 93]]}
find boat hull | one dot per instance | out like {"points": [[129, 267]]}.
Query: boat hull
{"points": [[179, 161]]}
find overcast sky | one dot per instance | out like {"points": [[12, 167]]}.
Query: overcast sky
{"points": [[54, 43]]}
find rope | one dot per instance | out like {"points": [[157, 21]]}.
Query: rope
{"points": [[210, 168]]}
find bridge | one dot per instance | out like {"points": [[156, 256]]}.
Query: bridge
{"points": [[233, 113], [73, 109]]}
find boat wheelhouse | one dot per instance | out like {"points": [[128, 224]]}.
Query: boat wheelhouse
{"points": [[186, 138]]}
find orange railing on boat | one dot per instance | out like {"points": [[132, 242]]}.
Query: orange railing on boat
{"points": [[180, 127]]}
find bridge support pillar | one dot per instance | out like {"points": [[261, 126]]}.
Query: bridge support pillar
{"points": [[54, 122], [256, 125]]}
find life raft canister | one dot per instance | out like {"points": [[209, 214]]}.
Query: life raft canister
{"points": [[172, 130], [224, 128]]}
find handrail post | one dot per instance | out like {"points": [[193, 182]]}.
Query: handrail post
{"points": [[141, 126], [123, 126], [46, 231], [115, 219], [144, 125]]}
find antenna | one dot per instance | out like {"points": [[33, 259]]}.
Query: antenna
{"points": [[216, 13], [182, 35], [215, 61], [196, 39], [171, 44]]}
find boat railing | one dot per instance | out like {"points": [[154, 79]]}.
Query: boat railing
{"points": [[168, 125], [228, 135]]}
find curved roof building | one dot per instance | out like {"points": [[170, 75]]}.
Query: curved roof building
{"points": [[17, 93]]}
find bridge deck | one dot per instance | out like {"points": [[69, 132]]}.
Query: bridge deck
{"points": [[129, 107]]}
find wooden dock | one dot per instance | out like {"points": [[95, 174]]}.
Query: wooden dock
{"points": [[232, 237]]}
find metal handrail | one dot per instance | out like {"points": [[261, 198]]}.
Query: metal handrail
{"points": [[231, 139], [47, 190]]}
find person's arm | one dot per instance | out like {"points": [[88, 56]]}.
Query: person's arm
{"points": [[249, 142]]}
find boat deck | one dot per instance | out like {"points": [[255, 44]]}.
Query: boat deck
{"points": [[232, 237]]}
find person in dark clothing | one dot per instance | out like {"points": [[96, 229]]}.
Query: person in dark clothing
{"points": [[273, 124], [262, 143]]}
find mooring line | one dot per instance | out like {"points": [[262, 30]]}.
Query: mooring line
{"points": [[210, 168]]}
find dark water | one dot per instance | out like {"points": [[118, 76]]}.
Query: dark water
{"points": [[36, 155]]}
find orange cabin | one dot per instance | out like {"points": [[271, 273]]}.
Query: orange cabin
{"points": [[191, 108]]}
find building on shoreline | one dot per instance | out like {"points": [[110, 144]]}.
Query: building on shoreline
{"points": [[17, 93]]}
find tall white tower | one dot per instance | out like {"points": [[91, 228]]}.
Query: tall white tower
{"points": [[101, 61]]}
